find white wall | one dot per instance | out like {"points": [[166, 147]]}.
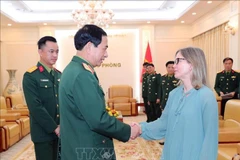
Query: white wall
{"points": [[19, 49]]}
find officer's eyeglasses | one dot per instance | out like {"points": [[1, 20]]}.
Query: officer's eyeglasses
{"points": [[177, 60]]}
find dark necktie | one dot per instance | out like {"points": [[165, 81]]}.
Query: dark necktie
{"points": [[52, 74]]}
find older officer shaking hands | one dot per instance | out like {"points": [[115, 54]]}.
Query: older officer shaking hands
{"points": [[86, 128]]}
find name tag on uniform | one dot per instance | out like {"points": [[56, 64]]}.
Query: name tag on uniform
{"points": [[163, 80], [174, 81], [44, 80], [233, 77], [153, 77], [222, 77]]}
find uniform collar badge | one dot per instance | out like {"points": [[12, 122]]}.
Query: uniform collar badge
{"points": [[41, 69]]}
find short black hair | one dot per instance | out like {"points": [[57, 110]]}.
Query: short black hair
{"points": [[145, 63], [88, 33], [42, 41], [227, 58], [169, 62], [150, 64]]}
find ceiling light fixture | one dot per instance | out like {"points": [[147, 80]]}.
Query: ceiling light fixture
{"points": [[9, 24], [194, 13], [92, 12], [209, 2], [182, 21]]}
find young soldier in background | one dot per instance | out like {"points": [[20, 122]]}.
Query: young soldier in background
{"points": [[169, 82], [154, 92], [40, 86]]}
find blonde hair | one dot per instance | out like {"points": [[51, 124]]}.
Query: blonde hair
{"points": [[196, 57]]}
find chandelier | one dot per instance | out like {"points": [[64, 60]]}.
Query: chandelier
{"points": [[92, 12]]}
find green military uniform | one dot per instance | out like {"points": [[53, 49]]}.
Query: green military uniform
{"points": [[41, 93], [154, 93], [226, 83], [169, 82], [145, 94], [86, 128]]}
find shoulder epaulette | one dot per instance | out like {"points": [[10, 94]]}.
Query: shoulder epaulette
{"points": [[57, 70], [221, 71], [30, 70], [88, 68]]}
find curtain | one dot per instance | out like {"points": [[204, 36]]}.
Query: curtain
{"points": [[215, 44]]}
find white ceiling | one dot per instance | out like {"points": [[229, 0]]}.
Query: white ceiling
{"points": [[24, 13]]}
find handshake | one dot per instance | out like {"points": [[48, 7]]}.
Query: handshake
{"points": [[136, 130]]}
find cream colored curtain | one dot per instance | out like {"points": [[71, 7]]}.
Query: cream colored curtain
{"points": [[215, 44]]}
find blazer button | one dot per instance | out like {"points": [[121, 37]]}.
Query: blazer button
{"points": [[103, 141]]}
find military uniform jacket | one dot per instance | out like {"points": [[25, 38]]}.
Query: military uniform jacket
{"points": [[86, 128], [227, 83], [145, 85], [154, 87], [41, 94], [168, 84]]}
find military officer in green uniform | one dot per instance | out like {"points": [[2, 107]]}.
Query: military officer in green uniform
{"points": [[86, 128], [40, 86], [169, 82], [154, 92], [145, 90], [227, 82]]}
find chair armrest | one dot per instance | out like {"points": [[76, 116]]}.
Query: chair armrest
{"points": [[231, 123], [132, 100], [23, 112], [11, 116], [20, 106], [2, 122]]}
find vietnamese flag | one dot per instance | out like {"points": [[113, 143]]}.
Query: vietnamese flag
{"points": [[148, 58]]}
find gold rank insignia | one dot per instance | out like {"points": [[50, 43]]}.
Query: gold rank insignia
{"points": [[88, 68], [30, 70]]}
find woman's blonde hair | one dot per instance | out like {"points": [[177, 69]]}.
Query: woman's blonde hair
{"points": [[196, 57]]}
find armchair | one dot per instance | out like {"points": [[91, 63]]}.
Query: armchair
{"points": [[229, 128], [17, 115], [121, 99], [16, 101], [10, 133]]}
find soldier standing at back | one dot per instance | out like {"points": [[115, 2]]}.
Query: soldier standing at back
{"points": [[227, 81], [169, 82], [154, 92], [145, 90], [40, 86]]}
